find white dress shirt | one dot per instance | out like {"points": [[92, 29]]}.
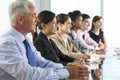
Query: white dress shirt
{"points": [[87, 42], [14, 63]]}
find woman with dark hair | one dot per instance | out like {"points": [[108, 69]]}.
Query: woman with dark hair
{"points": [[78, 34], [43, 43], [98, 36], [96, 32], [49, 50], [62, 38], [76, 24]]}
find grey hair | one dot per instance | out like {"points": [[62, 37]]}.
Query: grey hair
{"points": [[19, 7]]}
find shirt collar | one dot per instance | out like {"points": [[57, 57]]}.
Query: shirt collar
{"points": [[17, 34]]}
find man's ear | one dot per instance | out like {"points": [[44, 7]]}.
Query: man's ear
{"points": [[20, 19], [43, 25]]}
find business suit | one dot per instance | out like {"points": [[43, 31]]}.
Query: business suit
{"points": [[50, 51], [76, 42], [74, 39], [70, 49]]}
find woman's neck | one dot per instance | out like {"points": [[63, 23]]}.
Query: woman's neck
{"points": [[96, 31], [47, 35], [62, 33], [75, 29]]}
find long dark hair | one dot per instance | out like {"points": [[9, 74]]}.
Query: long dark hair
{"points": [[95, 19], [74, 15], [62, 18], [44, 17]]}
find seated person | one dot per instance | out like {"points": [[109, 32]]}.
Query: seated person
{"points": [[84, 30], [76, 24], [43, 43], [97, 34], [19, 60], [62, 39], [78, 32]]}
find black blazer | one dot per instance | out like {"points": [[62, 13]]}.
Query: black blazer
{"points": [[50, 51]]}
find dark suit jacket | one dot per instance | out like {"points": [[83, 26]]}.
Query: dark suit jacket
{"points": [[50, 51]]}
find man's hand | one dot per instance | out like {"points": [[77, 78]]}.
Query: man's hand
{"points": [[78, 70]]}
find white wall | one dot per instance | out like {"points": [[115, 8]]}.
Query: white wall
{"points": [[4, 16], [85, 6], [108, 9], [111, 22], [42, 5], [92, 7]]}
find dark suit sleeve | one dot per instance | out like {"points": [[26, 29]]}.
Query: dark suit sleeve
{"points": [[66, 57], [63, 56], [41, 46]]}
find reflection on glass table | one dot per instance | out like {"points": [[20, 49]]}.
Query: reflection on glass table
{"points": [[117, 51], [95, 70], [111, 65]]}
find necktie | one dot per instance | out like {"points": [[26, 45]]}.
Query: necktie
{"points": [[29, 53], [83, 36]]}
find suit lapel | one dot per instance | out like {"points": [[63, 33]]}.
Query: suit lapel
{"points": [[47, 42], [49, 45], [62, 41]]}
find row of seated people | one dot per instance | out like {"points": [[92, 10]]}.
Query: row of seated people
{"points": [[46, 45], [83, 40], [19, 59], [64, 43]]}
